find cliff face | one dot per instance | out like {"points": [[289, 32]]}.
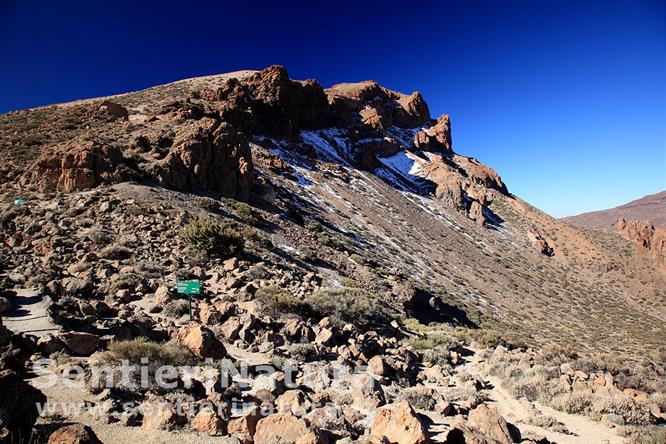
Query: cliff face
{"points": [[201, 142], [649, 240]]}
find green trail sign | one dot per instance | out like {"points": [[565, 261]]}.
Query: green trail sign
{"points": [[189, 288]]}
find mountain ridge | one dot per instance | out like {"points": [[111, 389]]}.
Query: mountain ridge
{"points": [[651, 207]]}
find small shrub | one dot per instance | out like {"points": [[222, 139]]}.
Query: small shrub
{"points": [[421, 398], [209, 204], [548, 422], [308, 255], [214, 238], [487, 338], [134, 350], [349, 305], [277, 301], [303, 352], [245, 213], [357, 258]]}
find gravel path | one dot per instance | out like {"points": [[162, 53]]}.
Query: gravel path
{"points": [[28, 315]]}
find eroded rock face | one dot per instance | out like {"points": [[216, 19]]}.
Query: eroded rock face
{"points": [[268, 102], [207, 155], [649, 239], [375, 106], [437, 138], [540, 243], [77, 166]]}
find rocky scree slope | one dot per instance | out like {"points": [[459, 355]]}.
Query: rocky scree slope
{"points": [[356, 176], [359, 237]]}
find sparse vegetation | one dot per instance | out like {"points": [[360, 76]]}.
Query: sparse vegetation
{"points": [[277, 300], [349, 305], [134, 350], [217, 239]]}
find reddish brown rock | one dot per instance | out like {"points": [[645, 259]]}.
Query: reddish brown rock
{"points": [[436, 138], [74, 434], [201, 341], [282, 428], [77, 166], [489, 422], [115, 110], [245, 426], [209, 422], [207, 155], [79, 343], [159, 414], [651, 241], [400, 424]]}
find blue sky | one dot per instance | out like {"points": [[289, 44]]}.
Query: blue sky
{"points": [[566, 99]]}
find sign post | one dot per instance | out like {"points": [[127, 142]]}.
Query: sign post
{"points": [[189, 288]]}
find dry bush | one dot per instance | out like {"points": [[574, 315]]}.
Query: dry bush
{"points": [[277, 301], [134, 350], [549, 423], [632, 412], [217, 239], [349, 305]]}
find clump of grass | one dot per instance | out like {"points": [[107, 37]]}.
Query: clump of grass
{"points": [[486, 338], [133, 350], [303, 352], [217, 239]]}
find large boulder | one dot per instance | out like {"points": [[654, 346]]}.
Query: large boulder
{"points": [[201, 341], [79, 343], [281, 428], [245, 426], [400, 424], [208, 421], [489, 422], [159, 414], [114, 110]]}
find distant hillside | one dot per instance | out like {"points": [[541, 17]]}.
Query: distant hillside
{"points": [[652, 207]]}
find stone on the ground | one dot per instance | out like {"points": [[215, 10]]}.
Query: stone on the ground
{"points": [[400, 424], [79, 343], [209, 422], [489, 422], [201, 341], [74, 434]]}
